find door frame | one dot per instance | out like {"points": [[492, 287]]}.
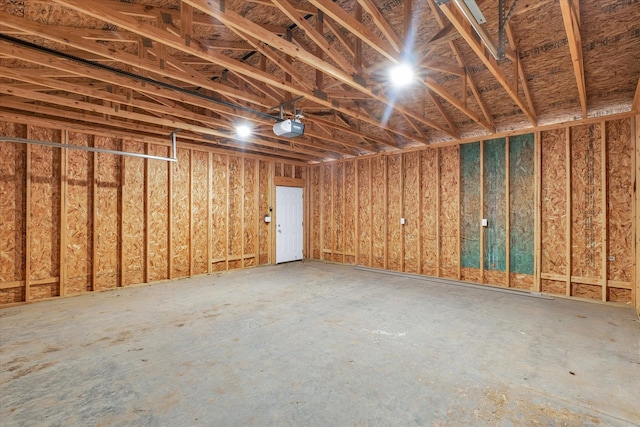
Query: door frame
{"points": [[281, 181]]}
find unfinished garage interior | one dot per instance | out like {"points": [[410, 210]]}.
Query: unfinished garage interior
{"points": [[323, 212]]}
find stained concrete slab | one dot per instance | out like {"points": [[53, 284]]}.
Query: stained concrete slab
{"points": [[315, 344]]}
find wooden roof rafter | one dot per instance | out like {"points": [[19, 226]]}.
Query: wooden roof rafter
{"points": [[467, 32], [571, 18]]}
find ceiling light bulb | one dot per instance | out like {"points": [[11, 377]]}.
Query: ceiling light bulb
{"points": [[401, 75], [243, 131]]}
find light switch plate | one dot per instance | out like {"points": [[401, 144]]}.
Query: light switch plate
{"points": [[485, 222]]}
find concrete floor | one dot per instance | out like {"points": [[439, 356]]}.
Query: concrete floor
{"points": [[314, 344]]}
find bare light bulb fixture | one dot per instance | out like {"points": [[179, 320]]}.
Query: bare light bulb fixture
{"points": [[401, 75], [243, 131]]}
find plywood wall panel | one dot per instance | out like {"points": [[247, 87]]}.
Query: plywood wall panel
{"points": [[158, 215], [12, 204], [234, 249], [379, 207], [263, 209], [338, 212], [521, 210], [553, 212], [429, 177], [449, 211], [79, 215], [133, 216], [495, 237], [586, 201], [250, 225], [364, 212], [395, 212], [12, 212], [45, 212], [470, 215], [581, 290], [219, 207], [411, 197], [326, 211], [350, 212], [180, 208], [107, 226], [200, 195], [620, 203], [316, 202], [553, 287]]}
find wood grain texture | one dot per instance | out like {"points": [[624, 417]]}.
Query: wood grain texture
{"points": [[219, 211], [158, 215], [200, 190], [264, 228], [338, 212], [12, 212], [470, 224], [350, 213], [133, 224], [250, 224], [553, 176], [586, 202], [411, 198], [379, 217], [395, 212], [45, 212], [449, 206], [364, 213], [107, 230], [620, 203], [316, 202], [430, 212]]}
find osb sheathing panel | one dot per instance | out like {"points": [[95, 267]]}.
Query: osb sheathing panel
{"points": [[107, 225], [412, 202], [250, 225], [470, 225], [521, 210], [236, 170], [581, 290], [620, 201], [45, 212], [394, 200], [199, 211], [429, 197], [219, 208], [338, 212], [379, 208], [619, 295], [553, 214], [133, 216], [449, 209], [300, 171], [316, 202], [12, 209], [553, 287], [326, 206], [586, 201], [349, 211], [180, 207], [495, 239], [263, 209], [364, 211], [158, 215], [79, 215]]}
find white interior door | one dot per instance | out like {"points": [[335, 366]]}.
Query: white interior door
{"points": [[289, 234]]}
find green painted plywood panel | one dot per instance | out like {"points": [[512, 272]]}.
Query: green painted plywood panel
{"points": [[495, 240], [470, 205], [521, 204]]}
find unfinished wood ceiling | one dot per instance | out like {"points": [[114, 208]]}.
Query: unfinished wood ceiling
{"points": [[144, 68]]}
